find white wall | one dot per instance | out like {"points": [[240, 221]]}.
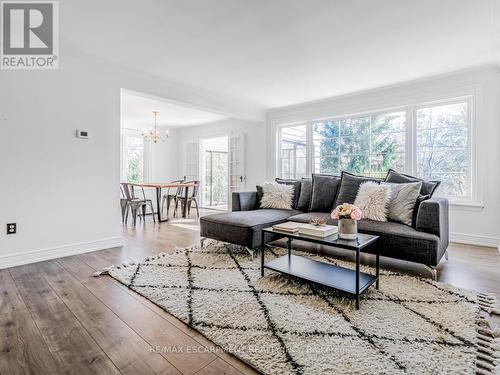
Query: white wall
{"points": [[164, 160], [61, 191], [255, 144], [478, 223]]}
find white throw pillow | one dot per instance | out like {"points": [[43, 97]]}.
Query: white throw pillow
{"points": [[373, 199], [276, 195]]}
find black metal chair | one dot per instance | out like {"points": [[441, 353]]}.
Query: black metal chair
{"points": [[192, 198], [135, 203], [169, 197]]}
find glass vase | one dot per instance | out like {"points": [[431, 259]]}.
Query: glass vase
{"points": [[348, 229]]}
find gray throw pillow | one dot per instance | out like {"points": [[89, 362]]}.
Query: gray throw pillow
{"points": [[305, 194], [296, 189], [260, 194], [428, 187], [349, 186], [402, 201], [324, 191], [420, 199]]}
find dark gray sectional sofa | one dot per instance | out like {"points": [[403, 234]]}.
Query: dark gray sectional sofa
{"points": [[424, 242]]}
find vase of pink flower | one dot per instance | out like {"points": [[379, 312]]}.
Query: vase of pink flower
{"points": [[347, 216]]}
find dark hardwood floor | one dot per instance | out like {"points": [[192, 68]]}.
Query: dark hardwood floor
{"points": [[56, 318]]}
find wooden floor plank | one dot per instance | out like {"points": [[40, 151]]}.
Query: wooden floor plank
{"points": [[22, 347], [10, 299], [70, 344], [174, 344], [120, 343], [219, 367]]}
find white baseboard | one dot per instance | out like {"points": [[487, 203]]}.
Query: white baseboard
{"points": [[34, 256], [471, 239]]}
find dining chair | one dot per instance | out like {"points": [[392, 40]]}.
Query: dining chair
{"points": [[169, 197], [137, 203], [123, 204], [192, 198]]}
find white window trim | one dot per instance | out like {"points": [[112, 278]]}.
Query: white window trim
{"points": [[473, 200]]}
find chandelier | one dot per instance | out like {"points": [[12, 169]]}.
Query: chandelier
{"points": [[153, 134]]}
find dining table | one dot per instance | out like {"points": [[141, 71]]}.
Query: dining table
{"points": [[165, 185]]}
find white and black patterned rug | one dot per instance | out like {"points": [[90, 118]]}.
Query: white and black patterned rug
{"points": [[281, 325]]}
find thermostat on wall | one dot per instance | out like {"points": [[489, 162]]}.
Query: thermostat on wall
{"points": [[82, 134]]}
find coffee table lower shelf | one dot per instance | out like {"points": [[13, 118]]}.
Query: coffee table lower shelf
{"points": [[333, 276]]}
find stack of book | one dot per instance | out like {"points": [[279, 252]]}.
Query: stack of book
{"points": [[317, 231], [306, 229], [288, 227]]}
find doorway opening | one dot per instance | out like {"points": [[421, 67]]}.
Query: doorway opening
{"points": [[215, 173]]}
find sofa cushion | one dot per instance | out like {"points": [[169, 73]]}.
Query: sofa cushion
{"points": [[296, 189], [306, 217], [250, 218], [428, 187], [324, 192], [243, 227], [305, 194], [349, 186]]}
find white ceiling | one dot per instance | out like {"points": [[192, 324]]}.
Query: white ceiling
{"points": [[137, 112], [273, 53]]}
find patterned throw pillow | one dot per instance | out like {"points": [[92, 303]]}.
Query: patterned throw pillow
{"points": [[402, 201], [296, 189], [373, 200], [277, 196]]}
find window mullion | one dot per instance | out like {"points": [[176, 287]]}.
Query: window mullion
{"points": [[309, 149]]}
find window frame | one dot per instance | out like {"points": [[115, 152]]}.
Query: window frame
{"points": [[410, 111]]}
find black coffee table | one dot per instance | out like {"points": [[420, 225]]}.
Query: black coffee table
{"points": [[344, 279]]}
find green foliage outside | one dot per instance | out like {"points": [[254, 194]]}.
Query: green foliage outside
{"points": [[367, 145]]}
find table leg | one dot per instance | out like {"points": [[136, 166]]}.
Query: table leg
{"points": [[377, 270], [357, 279], [184, 209], [158, 205], [289, 246], [262, 248]]}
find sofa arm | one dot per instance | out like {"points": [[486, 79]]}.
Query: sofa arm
{"points": [[244, 201], [432, 217]]}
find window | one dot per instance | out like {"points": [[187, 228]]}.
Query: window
{"points": [[132, 157], [443, 147], [293, 151], [431, 141], [367, 145]]}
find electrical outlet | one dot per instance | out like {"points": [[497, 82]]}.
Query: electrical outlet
{"points": [[11, 228]]}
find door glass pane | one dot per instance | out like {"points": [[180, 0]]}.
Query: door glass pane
{"points": [[215, 189]]}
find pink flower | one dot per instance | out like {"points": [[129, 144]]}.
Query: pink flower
{"points": [[335, 214], [356, 214]]}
